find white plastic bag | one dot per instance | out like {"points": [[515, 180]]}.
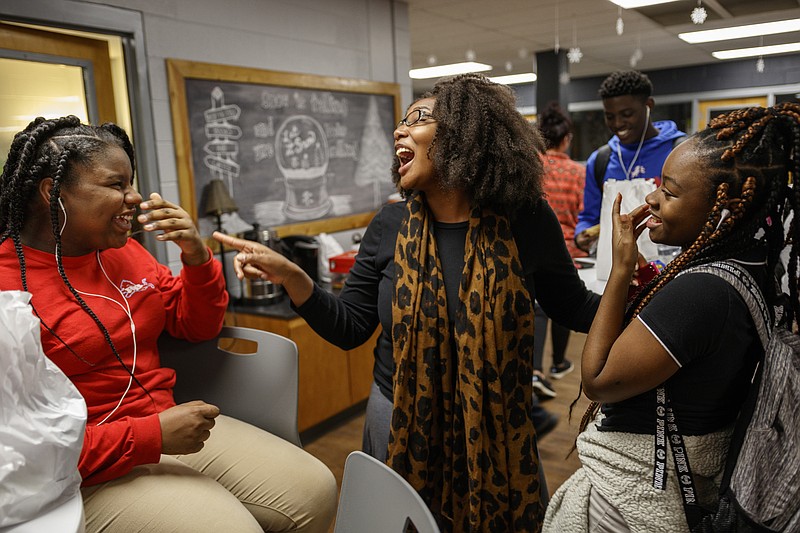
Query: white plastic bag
{"points": [[42, 419], [633, 193]]}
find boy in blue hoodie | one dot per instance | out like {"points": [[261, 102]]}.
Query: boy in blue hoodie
{"points": [[638, 147]]}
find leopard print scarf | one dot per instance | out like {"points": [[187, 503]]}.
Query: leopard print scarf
{"points": [[462, 433]]}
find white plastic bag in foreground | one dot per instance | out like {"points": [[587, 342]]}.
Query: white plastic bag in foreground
{"points": [[633, 193], [42, 419]]}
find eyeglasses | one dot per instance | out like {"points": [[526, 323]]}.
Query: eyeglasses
{"points": [[416, 116]]}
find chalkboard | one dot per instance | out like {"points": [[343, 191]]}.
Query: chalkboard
{"points": [[302, 152]]}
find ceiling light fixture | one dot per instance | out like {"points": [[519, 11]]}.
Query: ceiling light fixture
{"points": [[739, 32], [630, 4], [528, 77], [757, 51], [447, 70]]}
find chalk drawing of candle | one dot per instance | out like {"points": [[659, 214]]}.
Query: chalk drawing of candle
{"points": [[222, 147], [302, 156]]}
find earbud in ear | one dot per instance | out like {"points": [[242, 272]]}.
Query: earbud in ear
{"points": [[725, 213]]}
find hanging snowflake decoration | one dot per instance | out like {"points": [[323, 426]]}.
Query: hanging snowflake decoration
{"points": [[564, 78], [574, 55], [699, 13], [636, 56], [760, 65]]}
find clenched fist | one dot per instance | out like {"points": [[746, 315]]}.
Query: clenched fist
{"points": [[185, 427]]}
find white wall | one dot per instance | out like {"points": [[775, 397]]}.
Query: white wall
{"points": [[364, 39]]}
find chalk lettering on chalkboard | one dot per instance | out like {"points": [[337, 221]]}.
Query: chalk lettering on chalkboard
{"points": [[291, 154], [222, 148]]}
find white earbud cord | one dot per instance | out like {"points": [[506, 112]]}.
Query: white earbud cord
{"points": [[628, 170], [127, 310], [64, 225]]}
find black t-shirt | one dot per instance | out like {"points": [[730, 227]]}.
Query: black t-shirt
{"points": [[366, 299], [705, 325]]}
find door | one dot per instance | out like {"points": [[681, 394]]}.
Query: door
{"points": [[51, 74], [712, 108]]}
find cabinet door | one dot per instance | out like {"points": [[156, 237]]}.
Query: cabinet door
{"points": [[324, 376]]}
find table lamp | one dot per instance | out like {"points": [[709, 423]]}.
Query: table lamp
{"points": [[215, 201]]}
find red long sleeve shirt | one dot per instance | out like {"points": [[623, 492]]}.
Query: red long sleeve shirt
{"points": [[190, 306], [563, 184]]}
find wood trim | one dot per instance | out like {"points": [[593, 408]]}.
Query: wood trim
{"points": [[14, 37], [705, 107]]}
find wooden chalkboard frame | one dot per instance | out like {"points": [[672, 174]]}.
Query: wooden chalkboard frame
{"points": [[178, 71]]}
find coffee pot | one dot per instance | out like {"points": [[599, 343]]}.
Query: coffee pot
{"points": [[262, 291]]}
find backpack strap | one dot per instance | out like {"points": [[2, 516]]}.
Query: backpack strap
{"points": [[741, 280], [601, 164], [666, 425], [604, 156]]}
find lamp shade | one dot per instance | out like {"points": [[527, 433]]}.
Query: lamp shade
{"points": [[215, 199]]}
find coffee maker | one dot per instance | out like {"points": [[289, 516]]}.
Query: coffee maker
{"points": [[261, 291]]}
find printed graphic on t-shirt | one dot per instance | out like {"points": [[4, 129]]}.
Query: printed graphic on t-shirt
{"points": [[129, 288], [638, 171]]}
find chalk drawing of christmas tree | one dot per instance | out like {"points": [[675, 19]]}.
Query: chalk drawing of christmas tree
{"points": [[375, 158]]}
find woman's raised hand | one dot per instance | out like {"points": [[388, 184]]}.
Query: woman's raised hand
{"points": [[176, 225], [626, 229], [257, 261]]}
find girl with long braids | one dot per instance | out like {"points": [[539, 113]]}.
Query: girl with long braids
{"points": [[450, 274], [67, 203], [726, 195]]}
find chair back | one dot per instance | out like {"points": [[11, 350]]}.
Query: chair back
{"points": [[259, 388], [376, 498]]}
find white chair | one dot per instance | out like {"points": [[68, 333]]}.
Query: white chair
{"points": [[259, 388], [66, 518], [375, 498]]}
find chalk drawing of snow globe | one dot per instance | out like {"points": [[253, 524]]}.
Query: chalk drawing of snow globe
{"points": [[302, 156]]}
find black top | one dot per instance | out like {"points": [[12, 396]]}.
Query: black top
{"points": [[366, 299], [706, 326]]}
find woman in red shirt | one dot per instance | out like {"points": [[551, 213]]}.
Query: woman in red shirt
{"points": [[67, 203]]}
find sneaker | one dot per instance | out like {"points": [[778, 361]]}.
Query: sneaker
{"points": [[559, 371], [543, 388]]}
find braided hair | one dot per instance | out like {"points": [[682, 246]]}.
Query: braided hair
{"points": [[750, 156], [483, 145], [51, 148]]}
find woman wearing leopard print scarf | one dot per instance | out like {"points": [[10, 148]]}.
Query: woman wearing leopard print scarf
{"points": [[450, 275]]}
